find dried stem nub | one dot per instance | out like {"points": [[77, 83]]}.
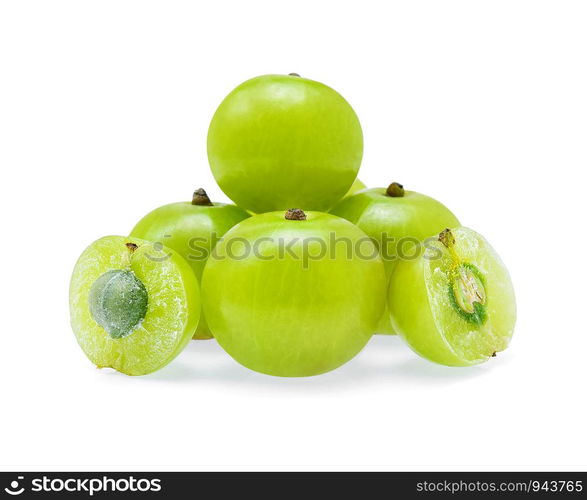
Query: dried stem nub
{"points": [[131, 247], [295, 214], [395, 190], [447, 238], [201, 198]]}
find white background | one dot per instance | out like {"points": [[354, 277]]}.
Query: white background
{"points": [[104, 109]]}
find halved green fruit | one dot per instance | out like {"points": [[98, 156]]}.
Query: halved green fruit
{"points": [[134, 306], [396, 219], [192, 229], [455, 304]]}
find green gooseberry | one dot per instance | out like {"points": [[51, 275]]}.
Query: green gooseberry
{"points": [[397, 220], [281, 141], [293, 295], [192, 229]]}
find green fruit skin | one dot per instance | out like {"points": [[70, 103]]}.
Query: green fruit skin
{"points": [[412, 216], [357, 186], [279, 317], [178, 224], [158, 339], [278, 142], [413, 314]]}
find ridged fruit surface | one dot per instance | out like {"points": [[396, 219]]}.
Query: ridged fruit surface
{"points": [[282, 141], [396, 223], [192, 231], [298, 305]]}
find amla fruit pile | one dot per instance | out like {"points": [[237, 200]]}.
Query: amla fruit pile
{"points": [[309, 263]]}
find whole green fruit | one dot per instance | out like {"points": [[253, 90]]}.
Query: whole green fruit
{"points": [[192, 229], [282, 141], [294, 295], [396, 219]]}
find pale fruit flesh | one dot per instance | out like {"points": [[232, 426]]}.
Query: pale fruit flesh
{"points": [[442, 326], [172, 312]]}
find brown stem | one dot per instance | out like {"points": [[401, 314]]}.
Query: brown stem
{"points": [[131, 247], [294, 74], [295, 214], [201, 198], [447, 238], [395, 190]]}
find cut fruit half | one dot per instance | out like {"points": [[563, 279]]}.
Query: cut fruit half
{"points": [[134, 305], [455, 304]]}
